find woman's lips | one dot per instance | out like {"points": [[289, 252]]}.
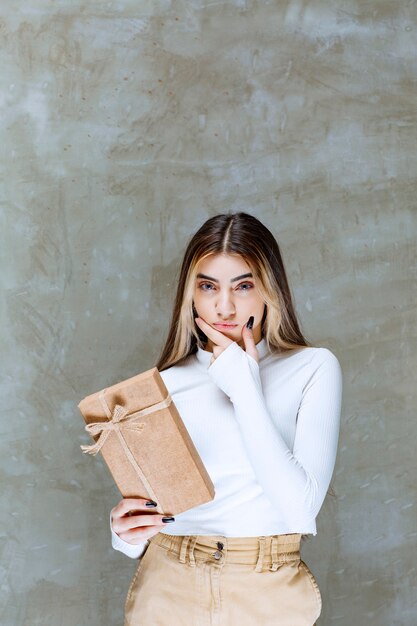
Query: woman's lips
{"points": [[226, 325]]}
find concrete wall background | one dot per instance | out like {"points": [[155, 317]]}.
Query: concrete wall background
{"points": [[124, 126]]}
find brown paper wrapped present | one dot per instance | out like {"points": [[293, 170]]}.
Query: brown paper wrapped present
{"points": [[138, 430]]}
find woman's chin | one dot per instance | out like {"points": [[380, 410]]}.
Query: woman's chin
{"points": [[232, 333]]}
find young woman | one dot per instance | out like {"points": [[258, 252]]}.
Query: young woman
{"points": [[262, 407]]}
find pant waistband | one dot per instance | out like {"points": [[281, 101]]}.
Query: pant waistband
{"points": [[268, 551]]}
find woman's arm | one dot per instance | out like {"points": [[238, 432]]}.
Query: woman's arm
{"points": [[295, 481]]}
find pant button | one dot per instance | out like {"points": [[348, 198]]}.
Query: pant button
{"points": [[217, 554]]}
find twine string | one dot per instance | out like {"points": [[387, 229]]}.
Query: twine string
{"points": [[118, 421]]}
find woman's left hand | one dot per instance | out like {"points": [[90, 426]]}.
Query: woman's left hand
{"points": [[221, 342]]}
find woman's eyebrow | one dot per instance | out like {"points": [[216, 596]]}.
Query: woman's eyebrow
{"points": [[232, 280]]}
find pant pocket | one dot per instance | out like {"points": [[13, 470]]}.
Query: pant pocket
{"points": [[314, 585]]}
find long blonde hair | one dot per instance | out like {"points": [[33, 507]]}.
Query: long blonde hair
{"points": [[243, 235]]}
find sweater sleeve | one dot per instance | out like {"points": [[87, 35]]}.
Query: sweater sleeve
{"points": [[297, 480], [134, 551]]}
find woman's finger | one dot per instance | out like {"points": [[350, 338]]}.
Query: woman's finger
{"points": [[249, 341], [136, 536], [215, 335], [123, 524], [129, 504]]}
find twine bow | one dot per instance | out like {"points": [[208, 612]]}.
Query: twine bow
{"points": [[119, 421], [104, 429]]}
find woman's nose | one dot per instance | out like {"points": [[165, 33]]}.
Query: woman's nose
{"points": [[225, 306]]}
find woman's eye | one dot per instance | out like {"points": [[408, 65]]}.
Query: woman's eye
{"points": [[240, 287], [246, 285]]}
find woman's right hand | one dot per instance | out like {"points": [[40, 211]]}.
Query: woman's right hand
{"points": [[134, 522]]}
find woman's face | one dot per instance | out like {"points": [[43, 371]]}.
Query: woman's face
{"points": [[225, 291]]}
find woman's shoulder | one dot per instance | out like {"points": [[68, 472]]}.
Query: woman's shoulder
{"points": [[310, 355], [321, 353], [323, 364], [179, 370], [306, 351]]}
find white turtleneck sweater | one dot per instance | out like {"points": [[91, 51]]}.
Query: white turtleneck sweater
{"points": [[267, 434]]}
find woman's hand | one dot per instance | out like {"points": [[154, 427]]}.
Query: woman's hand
{"points": [[133, 522], [221, 342]]}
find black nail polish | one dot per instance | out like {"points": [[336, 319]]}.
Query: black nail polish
{"points": [[151, 503], [168, 519], [250, 322]]}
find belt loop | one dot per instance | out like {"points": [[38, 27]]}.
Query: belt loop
{"points": [[191, 557], [260, 561], [274, 553], [183, 550]]}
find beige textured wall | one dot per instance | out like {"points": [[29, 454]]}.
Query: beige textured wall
{"points": [[124, 126]]}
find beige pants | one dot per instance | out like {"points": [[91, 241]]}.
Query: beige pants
{"points": [[223, 581]]}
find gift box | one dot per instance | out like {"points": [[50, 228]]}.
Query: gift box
{"points": [[145, 444]]}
